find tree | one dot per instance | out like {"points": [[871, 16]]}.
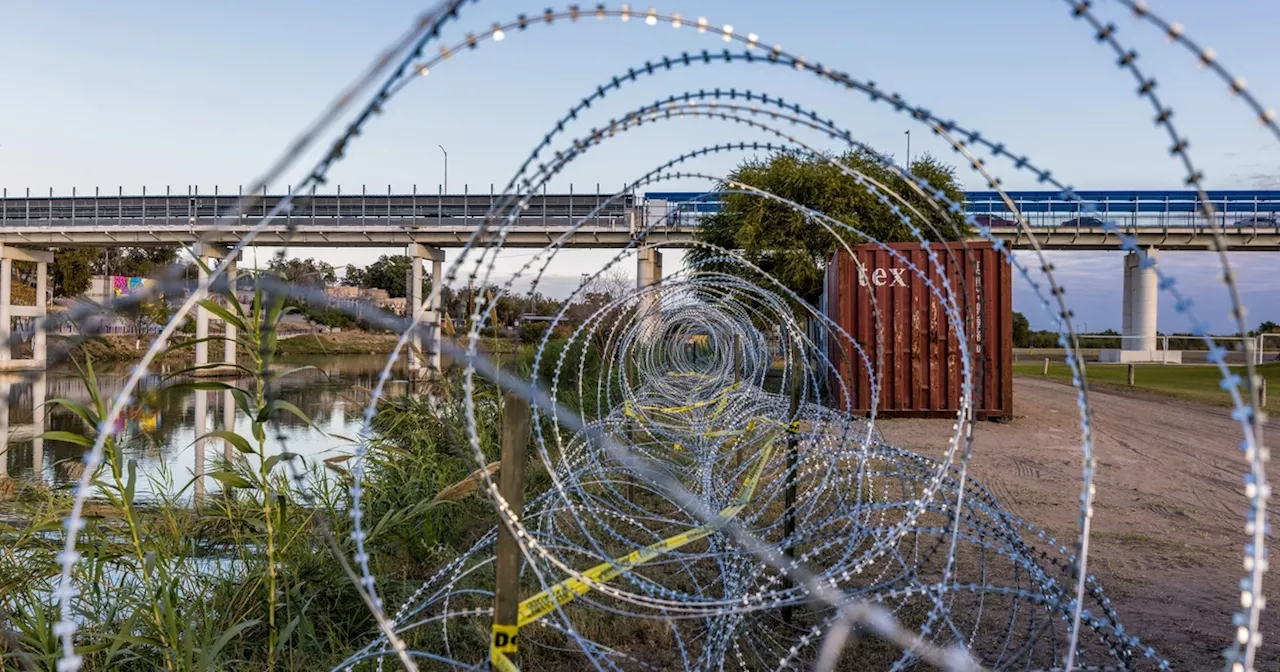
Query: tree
{"points": [[354, 276], [1021, 331], [142, 317], [787, 244], [304, 271], [509, 308], [1269, 327], [389, 272], [133, 261], [71, 272]]}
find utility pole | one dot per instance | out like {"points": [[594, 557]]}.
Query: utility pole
{"points": [[471, 301], [908, 132]]}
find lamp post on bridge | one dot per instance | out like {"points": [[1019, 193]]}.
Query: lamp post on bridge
{"points": [[446, 168]]}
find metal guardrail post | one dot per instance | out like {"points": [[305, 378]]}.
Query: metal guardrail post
{"points": [[506, 600]]}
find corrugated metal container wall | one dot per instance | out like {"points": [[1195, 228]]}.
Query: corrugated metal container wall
{"points": [[922, 372]]}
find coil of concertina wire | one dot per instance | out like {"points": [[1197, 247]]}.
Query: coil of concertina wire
{"points": [[670, 503]]}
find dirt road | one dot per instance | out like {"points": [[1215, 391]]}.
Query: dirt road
{"points": [[1169, 525]]}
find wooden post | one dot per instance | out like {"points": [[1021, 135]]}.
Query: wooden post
{"points": [[737, 378], [1130, 375], [633, 434], [793, 461], [506, 601], [1262, 395], [1046, 367]]}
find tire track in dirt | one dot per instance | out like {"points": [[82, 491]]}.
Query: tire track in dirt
{"points": [[1168, 526]]}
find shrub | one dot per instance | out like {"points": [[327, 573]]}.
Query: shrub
{"points": [[531, 332]]}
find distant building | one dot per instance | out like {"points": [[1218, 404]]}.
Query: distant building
{"points": [[355, 300]]}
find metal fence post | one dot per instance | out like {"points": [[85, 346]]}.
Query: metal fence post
{"points": [[506, 601]]}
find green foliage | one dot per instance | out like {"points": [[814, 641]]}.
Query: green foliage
{"points": [[247, 580], [303, 271], [133, 261], [1269, 327], [531, 332], [1021, 331], [329, 317], [788, 244], [71, 272], [389, 272]]}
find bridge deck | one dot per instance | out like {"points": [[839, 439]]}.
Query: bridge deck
{"points": [[1169, 220]]}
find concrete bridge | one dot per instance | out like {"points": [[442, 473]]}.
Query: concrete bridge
{"points": [[1169, 220], [424, 224]]}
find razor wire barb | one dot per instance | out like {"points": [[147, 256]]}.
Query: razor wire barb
{"points": [[681, 415]]}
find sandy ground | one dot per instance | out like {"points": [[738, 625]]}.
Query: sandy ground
{"points": [[1169, 526]]}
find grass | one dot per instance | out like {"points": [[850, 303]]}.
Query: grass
{"points": [[1190, 382], [260, 552]]}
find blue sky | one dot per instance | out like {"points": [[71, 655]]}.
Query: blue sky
{"points": [[157, 93]]}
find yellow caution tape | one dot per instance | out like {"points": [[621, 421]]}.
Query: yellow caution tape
{"points": [[502, 663], [566, 591], [503, 642], [534, 608], [721, 399]]}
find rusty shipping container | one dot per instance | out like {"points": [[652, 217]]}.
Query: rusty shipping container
{"points": [[922, 371]]}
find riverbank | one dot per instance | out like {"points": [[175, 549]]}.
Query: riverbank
{"points": [[115, 349]]}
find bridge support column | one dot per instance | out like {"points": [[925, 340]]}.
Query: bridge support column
{"points": [[210, 255], [229, 331], [37, 312], [6, 446], [648, 274], [202, 326], [39, 339], [1141, 297], [1140, 335], [6, 319], [428, 340]]}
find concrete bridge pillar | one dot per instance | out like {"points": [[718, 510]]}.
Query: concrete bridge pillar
{"points": [[429, 340], [38, 312], [7, 443], [649, 273], [1141, 301], [210, 255], [1140, 334]]}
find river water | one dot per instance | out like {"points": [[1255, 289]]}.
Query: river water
{"points": [[160, 430]]}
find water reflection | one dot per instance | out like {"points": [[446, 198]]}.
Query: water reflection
{"points": [[159, 430]]}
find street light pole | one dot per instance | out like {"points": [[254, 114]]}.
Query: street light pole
{"points": [[446, 168], [908, 132]]}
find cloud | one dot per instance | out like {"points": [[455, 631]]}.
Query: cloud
{"points": [[1264, 180]]}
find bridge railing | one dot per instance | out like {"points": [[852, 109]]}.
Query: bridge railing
{"points": [[200, 208], [1130, 209]]}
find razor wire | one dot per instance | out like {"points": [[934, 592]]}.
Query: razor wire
{"points": [[688, 403]]}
